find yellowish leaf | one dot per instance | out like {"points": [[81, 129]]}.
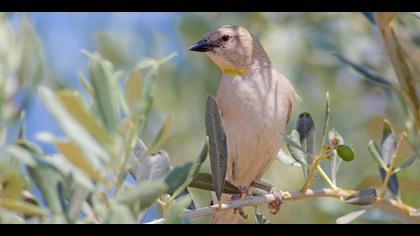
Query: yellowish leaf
{"points": [[133, 88], [162, 134], [23, 207], [73, 153], [74, 104], [12, 185], [86, 85]]}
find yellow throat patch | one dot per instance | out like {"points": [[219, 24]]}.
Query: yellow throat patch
{"points": [[231, 71]]}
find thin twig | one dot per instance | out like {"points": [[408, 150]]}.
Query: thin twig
{"points": [[297, 195]]}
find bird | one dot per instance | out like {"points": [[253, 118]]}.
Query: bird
{"points": [[255, 102]]}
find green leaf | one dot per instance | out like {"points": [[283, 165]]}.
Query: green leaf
{"points": [[200, 197], [47, 179], [408, 162], [287, 159], [77, 198], [22, 128], [217, 145], [306, 128], [154, 166], [142, 195], [388, 143], [363, 70], [121, 214], [70, 126], [350, 217], [293, 145], [176, 208], [374, 152], [345, 152], [86, 85], [366, 196], [205, 181], [176, 179], [201, 158], [20, 154], [326, 119], [101, 74], [74, 104]]}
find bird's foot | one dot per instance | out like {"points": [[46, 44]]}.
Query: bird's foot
{"points": [[274, 206], [244, 191]]}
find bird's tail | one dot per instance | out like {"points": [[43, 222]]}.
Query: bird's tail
{"points": [[226, 216]]}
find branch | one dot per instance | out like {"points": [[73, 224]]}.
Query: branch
{"points": [[293, 196]]}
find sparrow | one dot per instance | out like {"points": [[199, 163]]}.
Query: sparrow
{"points": [[255, 102]]}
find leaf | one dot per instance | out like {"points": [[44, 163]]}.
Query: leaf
{"points": [[12, 185], [70, 126], [177, 178], [142, 195], [366, 196], [345, 152], [287, 159], [9, 217], [74, 104], [306, 128], [78, 197], [395, 52], [47, 179], [388, 143], [326, 119], [200, 197], [205, 181], [86, 85], [121, 214], [370, 17], [20, 154], [365, 71], [374, 152], [133, 89], [162, 134], [201, 158], [336, 161], [22, 128], [22, 207], [73, 153], [290, 140], [153, 167], [293, 145], [260, 218], [350, 217], [176, 208], [218, 149], [408, 162], [393, 184], [100, 73]]}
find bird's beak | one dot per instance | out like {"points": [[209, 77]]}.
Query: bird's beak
{"points": [[202, 46]]}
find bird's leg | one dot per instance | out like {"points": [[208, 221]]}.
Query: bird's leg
{"points": [[275, 205], [244, 191]]}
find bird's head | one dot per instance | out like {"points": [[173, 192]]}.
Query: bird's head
{"points": [[232, 48]]}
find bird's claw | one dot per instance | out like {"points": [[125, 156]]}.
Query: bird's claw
{"points": [[244, 191], [274, 206]]}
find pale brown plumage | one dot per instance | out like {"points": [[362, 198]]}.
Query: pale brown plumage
{"points": [[255, 102]]}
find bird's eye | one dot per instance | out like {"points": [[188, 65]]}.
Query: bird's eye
{"points": [[225, 37]]}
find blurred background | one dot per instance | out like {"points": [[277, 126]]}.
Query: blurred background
{"points": [[300, 45]]}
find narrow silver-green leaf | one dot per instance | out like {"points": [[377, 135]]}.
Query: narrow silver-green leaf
{"points": [[177, 177], [176, 208], [350, 217], [371, 75], [153, 167], [374, 152], [287, 159], [326, 119], [388, 143], [218, 149]]}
